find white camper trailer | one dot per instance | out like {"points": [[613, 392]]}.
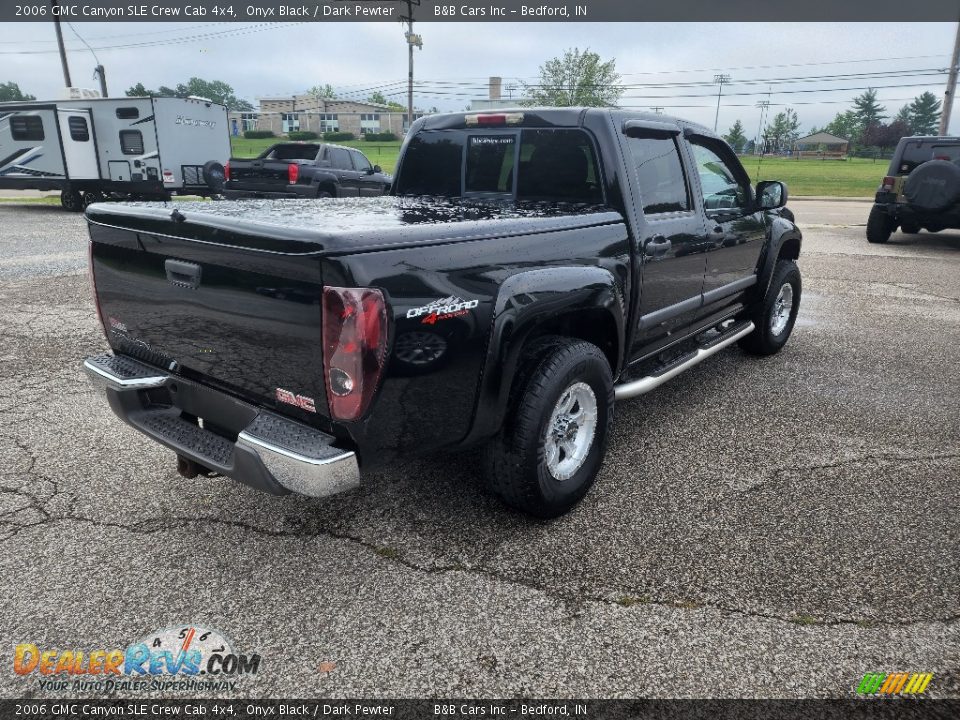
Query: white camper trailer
{"points": [[130, 147]]}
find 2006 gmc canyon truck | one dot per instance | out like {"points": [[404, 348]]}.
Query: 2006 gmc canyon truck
{"points": [[530, 268]]}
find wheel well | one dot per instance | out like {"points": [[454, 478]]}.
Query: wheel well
{"points": [[327, 186], [594, 326], [789, 250]]}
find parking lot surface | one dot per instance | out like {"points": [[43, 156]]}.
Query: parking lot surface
{"points": [[761, 528]]}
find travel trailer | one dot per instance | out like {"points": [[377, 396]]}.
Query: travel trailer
{"points": [[114, 148]]}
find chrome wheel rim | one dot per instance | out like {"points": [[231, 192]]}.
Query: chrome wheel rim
{"points": [[782, 307], [570, 431]]}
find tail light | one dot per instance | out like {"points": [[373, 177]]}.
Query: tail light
{"points": [[492, 119], [293, 173], [93, 290], [354, 344], [226, 171], [888, 184]]}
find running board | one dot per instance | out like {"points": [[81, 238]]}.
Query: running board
{"points": [[650, 382]]}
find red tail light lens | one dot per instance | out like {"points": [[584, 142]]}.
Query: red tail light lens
{"points": [[354, 345], [888, 183], [226, 171], [293, 172]]}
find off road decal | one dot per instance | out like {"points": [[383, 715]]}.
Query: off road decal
{"points": [[442, 309]]}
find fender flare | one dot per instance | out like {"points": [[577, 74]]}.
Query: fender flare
{"points": [[782, 231], [323, 178], [524, 302]]}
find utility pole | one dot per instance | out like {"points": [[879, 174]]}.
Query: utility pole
{"points": [[721, 79], [412, 40], [102, 74], [63, 50], [763, 105], [951, 92]]}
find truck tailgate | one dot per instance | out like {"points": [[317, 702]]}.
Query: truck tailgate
{"points": [[260, 173], [246, 319]]}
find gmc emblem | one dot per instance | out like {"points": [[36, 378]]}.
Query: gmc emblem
{"points": [[301, 401]]}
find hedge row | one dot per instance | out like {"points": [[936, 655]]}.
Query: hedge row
{"points": [[338, 136], [302, 135], [258, 134], [380, 137]]}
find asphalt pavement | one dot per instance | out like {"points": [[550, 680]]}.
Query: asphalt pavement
{"points": [[761, 528]]}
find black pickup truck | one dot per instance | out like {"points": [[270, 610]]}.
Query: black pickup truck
{"points": [[305, 170], [530, 269]]}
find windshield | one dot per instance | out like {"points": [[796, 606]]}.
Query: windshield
{"points": [[529, 164]]}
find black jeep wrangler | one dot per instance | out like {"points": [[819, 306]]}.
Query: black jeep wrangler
{"points": [[921, 189]]}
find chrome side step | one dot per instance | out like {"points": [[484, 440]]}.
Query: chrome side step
{"points": [[651, 382]]}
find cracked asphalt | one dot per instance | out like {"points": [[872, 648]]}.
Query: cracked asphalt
{"points": [[761, 528]]}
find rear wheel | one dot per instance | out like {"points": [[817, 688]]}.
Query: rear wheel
{"points": [[879, 226], [71, 200], [551, 447], [324, 194], [776, 314]]}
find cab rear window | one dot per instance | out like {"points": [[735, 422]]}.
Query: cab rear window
{"points": [[528, 164]]}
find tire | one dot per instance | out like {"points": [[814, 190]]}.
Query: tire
{"points": [[323, 194], [546, 477], [214, 175], [776, 314], [93, 196], [71, 200], [879, 226], [909, 228]]}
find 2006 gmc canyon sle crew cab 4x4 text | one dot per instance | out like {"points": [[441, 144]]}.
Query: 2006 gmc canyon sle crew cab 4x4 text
{"points": [[530, 268]]}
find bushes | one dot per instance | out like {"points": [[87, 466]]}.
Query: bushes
{"points": [[338, 136], [302, 135], [258, 134], [380, 137]]}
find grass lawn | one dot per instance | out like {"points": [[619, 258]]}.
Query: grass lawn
{"points": [[856, 177], [383, 154]]}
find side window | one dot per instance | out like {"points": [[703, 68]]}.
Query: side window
{"points": [[26, 127], [79, 130], [718, 180], [660, 178], [127, 113], [340, 159], [360, 162], [131, 142]]}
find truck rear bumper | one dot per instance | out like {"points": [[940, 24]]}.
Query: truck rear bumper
{"points": [[270, 452]]}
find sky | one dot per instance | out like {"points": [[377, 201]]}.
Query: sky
{"points": [[787, 60]]}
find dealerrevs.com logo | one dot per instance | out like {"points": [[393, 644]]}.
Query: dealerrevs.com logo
{"points": [[187, 657]]}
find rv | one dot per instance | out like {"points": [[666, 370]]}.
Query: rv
{"points": [[114, 148]]}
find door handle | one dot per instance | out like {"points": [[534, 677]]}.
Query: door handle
{"points": [[182, 274], [656, 246]]}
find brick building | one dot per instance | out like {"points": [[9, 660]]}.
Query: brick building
{"points": [[282, 115]]}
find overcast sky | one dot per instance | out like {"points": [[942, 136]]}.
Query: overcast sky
{"points": [[259, 60]]}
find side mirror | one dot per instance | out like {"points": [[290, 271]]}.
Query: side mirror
{"points": [[771, 194], [377, 169]]}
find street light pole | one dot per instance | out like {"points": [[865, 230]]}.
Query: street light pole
{"points": [[721, 79], [63, 50], [412, 39], [951, 91]]}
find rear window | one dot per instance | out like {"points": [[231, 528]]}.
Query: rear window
{"points": [[293, 152], [917, 153], [528, 164], [26, 127], [131, 142]]}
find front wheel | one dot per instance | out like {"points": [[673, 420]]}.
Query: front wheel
{"points": [[776, 314], [551, 447]]}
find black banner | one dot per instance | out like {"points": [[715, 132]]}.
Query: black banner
{"points": [[852, 709], [479, 10]]}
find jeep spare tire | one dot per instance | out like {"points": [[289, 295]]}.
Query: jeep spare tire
{"points": [[214, 176], [935, 186]]}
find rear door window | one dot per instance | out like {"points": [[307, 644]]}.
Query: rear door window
{"points": [[659, 173], [528, 164], [340, 159]]}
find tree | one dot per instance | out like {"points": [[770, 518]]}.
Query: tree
{"points": [[577, 78], [903, 115], [924, 114], [885, 136], [736, 138], [11, 91], [323, 92], [216, 90], [868, 109], [844, 125], [784, 129]]}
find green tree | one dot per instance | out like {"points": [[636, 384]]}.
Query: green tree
{"points": [[216, 90], [577, 78], [378, 98], [784, 129], [903, 115], [844, 125], [868, 110], [10, 91], [139, 90], [323, 92], [924, 114], [736, 138]]}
